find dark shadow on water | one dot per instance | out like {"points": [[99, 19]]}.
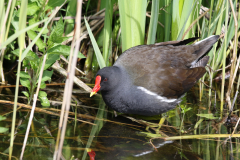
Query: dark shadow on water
{"points": [[128, 142]]}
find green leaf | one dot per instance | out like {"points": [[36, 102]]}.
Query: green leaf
{"points": [[35, 64], [25, 82], [16, 52], [71, 11], [15, 20], [24, 75], [39, 42], [42, 85], [47, 75], [185, 108], [55, 3], [32, 8], [31, 58], [18, 33], [44, 101], [45, 31], [25, 64], [42, 94], [63, 50], [26, 94], [208, 116], [3, 129], [56, 34], [51, 59], [31, 22], [35, 39], [30, 55], [2, 118]]}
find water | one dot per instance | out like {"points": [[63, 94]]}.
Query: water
{"points": [[120, 137]]}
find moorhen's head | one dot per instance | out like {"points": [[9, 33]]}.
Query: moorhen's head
{"points": [[106, 80]]}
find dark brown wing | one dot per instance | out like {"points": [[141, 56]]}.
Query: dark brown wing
{"points": [[167, 70], [180, 81], [172, 82]]}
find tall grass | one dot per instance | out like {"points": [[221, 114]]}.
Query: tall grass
{"points": [[141, 22], [133, 22], [153, 22], [21, 43]]}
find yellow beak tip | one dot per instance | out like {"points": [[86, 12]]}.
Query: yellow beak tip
{"points": [[92, 93]]}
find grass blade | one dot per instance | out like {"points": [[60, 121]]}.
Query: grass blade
{"points": [[100, 59], [153, 22], [107, 31], [21, 43]]}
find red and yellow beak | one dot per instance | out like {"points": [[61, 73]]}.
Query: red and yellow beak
{"points": [[97, 86]]}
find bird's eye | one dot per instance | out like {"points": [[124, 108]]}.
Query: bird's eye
{"points": [[105, 80]]}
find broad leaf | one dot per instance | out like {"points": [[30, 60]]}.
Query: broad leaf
{"points": [[3, 129], [57, 33], [25, 82], [30, 55], [26, 94], [47, 75], [55, 3], [44, 101], [24, 75], [63, 50], [51, 59], [42, 94], [42, 85], [32, 8], [2, 118], [39, 43]]}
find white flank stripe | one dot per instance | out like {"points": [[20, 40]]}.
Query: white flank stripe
{"points": [[164, 99]]}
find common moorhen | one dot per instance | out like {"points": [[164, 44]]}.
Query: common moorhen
{"points": [[151, 79]]}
